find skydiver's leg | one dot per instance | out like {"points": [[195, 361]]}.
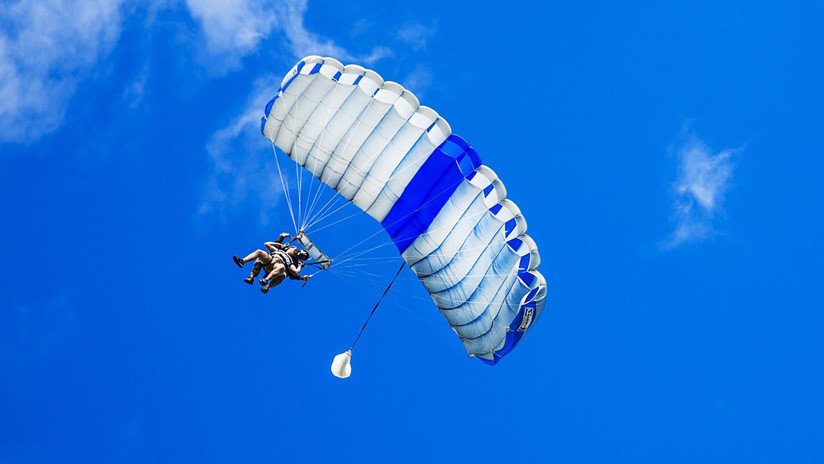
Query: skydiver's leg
{"points": [[277, 269], [257, 254], [277, 280], [274, 282], [274, 277], [255, 271], [266, 270]]}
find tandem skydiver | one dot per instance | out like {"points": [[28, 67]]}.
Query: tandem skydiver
{"points": [[279, 262]]}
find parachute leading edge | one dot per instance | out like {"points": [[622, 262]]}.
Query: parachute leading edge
{"points": [[447, 213]]}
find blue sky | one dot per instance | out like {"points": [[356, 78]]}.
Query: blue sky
{"points": [[667, 157]]}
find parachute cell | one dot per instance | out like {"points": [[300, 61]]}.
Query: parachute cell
{"points": [[446, 212]]}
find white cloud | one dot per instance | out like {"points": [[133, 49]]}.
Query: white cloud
{"points": [[46, 47], [241, 172], [303, 42], [703, 178], [418, 81], [233, 26], [415, 34], [359, 28], [135, 91], [237, 28]]}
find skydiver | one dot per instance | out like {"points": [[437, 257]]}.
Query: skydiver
{"points": [[262, 258], [280, 260], [285, 263]]}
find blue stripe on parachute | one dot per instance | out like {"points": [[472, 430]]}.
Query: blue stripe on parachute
{"points": [[269, 106], [429, 190], [510, 226], [271, 102], [513, 335], [291, 79]]}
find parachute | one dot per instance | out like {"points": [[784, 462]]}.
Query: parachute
{"points": [[446, 212]]}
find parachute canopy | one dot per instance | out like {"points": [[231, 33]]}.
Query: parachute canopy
{"points": [[446, 212]]}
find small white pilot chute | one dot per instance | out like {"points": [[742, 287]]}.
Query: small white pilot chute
{"points": [[342, 365]]}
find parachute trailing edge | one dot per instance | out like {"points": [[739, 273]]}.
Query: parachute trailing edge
{"points": [[447, 213]]}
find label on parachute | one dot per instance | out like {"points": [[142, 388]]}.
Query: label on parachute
{"points": [[527, 320]]}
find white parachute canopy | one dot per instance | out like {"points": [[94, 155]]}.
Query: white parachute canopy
{"points": [[447, 213], [342, 365]]}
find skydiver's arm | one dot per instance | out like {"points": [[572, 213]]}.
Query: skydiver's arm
{"points": [[272, 246], [294, 272], [282, 237]]}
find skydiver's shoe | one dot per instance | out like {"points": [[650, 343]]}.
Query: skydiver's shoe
{"points": [[263, 282], [238, 261], [264, 290], [249, 280]]}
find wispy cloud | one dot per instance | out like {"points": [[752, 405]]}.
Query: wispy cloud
{"points": [[46, 47], [135, 91], [703, 178], [303, 42], [232, 29], [241, 173], [359, 28], [416, 34], [235, 28], [418, 80]]}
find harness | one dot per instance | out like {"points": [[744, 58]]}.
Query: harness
{"points": [[317, 258], [283, 256]]}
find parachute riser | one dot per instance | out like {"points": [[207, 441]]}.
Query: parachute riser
{"points": [[319, 258], [341, 364], [374, 308]]}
